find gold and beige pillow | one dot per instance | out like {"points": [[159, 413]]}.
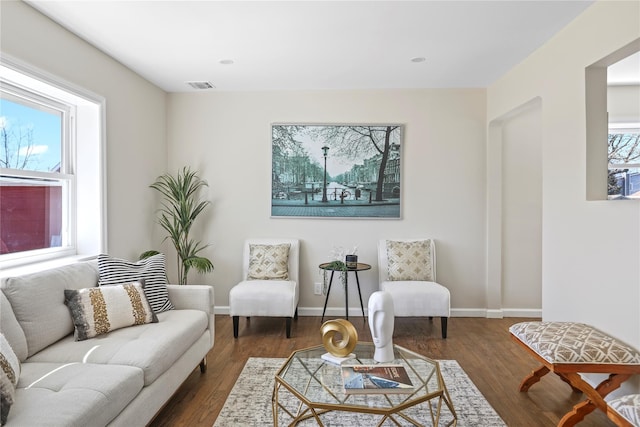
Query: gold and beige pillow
{"points": [[410, 260], [268, 262], [9, 373], [99, 310]]}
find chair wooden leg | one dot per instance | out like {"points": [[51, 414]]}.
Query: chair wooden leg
{"points": [[443, 325], [203, 365], [236, 320], [288, 327]]}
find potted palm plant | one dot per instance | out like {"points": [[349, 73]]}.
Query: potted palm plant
{"points": [[180, 208]]}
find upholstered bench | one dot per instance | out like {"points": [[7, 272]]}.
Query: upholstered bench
{"points": [[568, 349], [625, 410]]}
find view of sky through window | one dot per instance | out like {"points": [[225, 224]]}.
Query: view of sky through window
{"points": [[30, 138]]}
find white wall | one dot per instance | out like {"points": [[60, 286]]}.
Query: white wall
{"points": [[591, 249], [522, 211], [623, 103], [135, 110], [227, 136]]}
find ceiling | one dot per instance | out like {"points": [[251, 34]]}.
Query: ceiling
{"points": [[315, 45]]}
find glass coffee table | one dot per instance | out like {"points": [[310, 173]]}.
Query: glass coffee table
{"points": [[307, 386]]}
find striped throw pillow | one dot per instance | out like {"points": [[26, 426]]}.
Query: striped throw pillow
{"points": [[115, 271], [96, 311]]}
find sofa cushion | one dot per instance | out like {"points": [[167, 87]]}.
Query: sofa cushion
{"points": [[153, 347], [76, 394], [99, 310], [115, 271], [11, 329], [37, 300], [9, 374], [409, 260], [268, 262]]}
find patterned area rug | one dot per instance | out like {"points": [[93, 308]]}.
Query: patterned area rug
{"points": [[249, 403]]}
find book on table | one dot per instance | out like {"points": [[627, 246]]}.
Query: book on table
{"points": [[372, 379]]}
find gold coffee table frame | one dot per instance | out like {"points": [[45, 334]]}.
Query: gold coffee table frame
{"points": [[316, 386]]}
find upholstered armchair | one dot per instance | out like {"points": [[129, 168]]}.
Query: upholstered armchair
{"points": [[407, 270], [269, 285]]}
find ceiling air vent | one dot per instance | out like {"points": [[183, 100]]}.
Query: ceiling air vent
{"points": [[201, 85]]}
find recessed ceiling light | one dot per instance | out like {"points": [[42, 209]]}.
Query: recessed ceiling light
{"points": [[418, 59], [226, 61]]}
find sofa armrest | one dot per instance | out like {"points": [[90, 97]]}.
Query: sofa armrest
{"points": [[194, 297]]}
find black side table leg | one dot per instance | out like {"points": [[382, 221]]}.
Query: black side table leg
{"points": [[359, 293], [327, 297], [346, 294]]}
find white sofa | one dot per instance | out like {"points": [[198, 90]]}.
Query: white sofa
{"points": [[121, 378]]}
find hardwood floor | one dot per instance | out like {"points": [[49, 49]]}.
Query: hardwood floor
{"points": [[481, 346]]}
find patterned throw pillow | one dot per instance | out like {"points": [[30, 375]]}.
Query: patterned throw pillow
{"points": [[269, 262], [409, 260], [114, 271], [9, 374], [96, 311]]}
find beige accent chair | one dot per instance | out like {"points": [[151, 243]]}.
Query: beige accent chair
{"points": [[413, 285], [270, 294]]}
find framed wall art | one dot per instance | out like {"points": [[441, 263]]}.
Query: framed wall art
{"points": [[336, 170]]}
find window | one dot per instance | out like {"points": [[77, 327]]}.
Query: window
{"points": [[51, 168], [624, 162], [36, 177], [612, 91]]}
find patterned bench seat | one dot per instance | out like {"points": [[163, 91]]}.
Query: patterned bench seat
{"points": [[568, 349], [625, 409]]}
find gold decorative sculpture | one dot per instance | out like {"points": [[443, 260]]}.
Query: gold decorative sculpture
{"points": [[331, 330]]}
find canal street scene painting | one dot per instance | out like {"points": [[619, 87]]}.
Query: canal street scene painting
{"points": [[336, 171]]}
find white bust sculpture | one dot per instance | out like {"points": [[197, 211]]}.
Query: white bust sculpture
{"points": [[381, 317]]}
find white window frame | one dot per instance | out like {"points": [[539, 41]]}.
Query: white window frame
{"points": [[82, 166], [65, 177], [623, 128]]}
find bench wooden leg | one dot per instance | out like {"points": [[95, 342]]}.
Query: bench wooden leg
{"points": [[566, 380], [533, 378], [578, 413], [595, 397]]}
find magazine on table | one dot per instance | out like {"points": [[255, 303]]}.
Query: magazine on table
{"points": [[372, 379]]}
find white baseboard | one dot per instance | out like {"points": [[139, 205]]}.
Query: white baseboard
{"points": [[523, 312], [221, 309], [468, 312], [495, 314], [331, 311], [455, 312]]}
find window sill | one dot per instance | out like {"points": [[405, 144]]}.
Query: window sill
{"points": [[43, 265]]}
